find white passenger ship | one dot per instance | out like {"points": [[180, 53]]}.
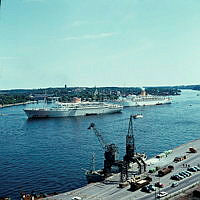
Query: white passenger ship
{"points": [[143, 99], [73, 109]]}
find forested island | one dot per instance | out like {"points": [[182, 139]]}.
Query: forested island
{"points": [[66, 94]]}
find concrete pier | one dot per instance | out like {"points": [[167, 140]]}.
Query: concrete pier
{"points": [[16, 104], [109, 189]]}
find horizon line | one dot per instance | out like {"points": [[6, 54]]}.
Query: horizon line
{"points": [[101, 87]]}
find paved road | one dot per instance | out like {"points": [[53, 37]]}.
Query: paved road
{"points": [[192, 160], [182, 184]]}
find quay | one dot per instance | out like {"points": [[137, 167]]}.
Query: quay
{"points": [[109, 189], [16, 104]]}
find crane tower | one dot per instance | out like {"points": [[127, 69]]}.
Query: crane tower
{"points": [[110, 151]]}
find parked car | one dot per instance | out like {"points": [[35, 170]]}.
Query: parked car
{"points": [[197, 168], [160, 185], [162, 194], [175, 177], [189, 173], [76, 198], [146, 189], [182, 174], [180, 177], [175, 184], [152, 187], [192, 169]]}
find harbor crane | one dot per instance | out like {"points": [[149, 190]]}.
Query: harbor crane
{"points": [[130, 140], [131, 156], [110, 151]]}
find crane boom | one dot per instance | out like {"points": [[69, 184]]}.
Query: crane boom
{"points": [[99, 136], [110, 151]]}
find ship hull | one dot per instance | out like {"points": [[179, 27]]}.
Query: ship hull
{"points": [[45, 113], [129, 103], [94, 176]]}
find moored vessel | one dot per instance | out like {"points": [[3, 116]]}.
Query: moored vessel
{"points": [[94, 176], [143, 99], [73, 109]]}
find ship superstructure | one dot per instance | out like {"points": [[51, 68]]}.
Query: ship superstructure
{"points": [[73, 109]]}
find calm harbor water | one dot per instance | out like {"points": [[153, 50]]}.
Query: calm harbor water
{"points": [[49, 155]]}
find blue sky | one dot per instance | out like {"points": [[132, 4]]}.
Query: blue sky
{"points": [[48, 43]]}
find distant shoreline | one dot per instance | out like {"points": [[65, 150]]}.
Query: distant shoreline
{"points": [[16, 104]]}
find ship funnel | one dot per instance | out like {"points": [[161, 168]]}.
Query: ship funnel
{"points": [[143, 92]]}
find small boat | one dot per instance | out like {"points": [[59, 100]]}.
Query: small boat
{"points": [[93, 175], [137, 116]]}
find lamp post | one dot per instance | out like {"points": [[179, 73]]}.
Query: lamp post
{"points": [[154, 180], [157, 181]]}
